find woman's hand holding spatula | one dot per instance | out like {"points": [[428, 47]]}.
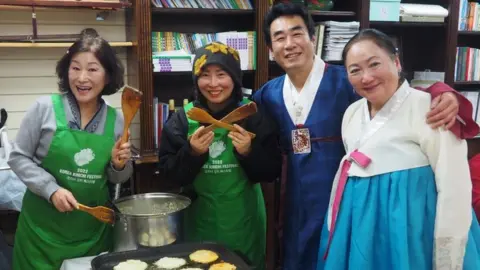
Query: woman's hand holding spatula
{"points": [[241, 140], [236, 115], [131, 101], [202, 116], [121, 153], [200, 141]]}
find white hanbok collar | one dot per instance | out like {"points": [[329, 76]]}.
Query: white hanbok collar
{"points": [[370, 126], [299, 104]]}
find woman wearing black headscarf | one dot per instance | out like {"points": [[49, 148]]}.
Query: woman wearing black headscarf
{"points": [[223, 167]]}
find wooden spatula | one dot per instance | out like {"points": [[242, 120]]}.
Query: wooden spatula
{"points": [[236, 115], [131, 101], [101, 213], [202, 116]]}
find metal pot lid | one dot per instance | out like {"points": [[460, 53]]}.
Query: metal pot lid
{"points": [[152, 204]]}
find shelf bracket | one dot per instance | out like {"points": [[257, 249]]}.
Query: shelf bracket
{"points": [[34, 24]]}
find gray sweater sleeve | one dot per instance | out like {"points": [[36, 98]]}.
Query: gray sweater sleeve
{"points": [[31, 146], [33, 141]]}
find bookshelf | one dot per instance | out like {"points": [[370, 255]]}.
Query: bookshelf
{"points": [[465, 35], [380, 24], [68, 3], [201, 11], [178, 85]]}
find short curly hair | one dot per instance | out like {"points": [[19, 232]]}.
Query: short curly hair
{"points": [[90, 41]]}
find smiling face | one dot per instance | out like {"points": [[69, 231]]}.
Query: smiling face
{"points": [[215, 84], [372, 71], [292, 46], [86, 77]]}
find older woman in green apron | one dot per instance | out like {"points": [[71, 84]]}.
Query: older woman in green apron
{"points": [[223, 168], [65, 152]]}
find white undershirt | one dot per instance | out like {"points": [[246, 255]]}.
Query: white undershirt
{"points": [[299, 103]]}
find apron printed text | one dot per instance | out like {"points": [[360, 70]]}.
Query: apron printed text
{"points": [[218, 167], [81, 175]]}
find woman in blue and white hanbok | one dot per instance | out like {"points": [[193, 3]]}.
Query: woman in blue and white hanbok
{"points": [[401, 198]]}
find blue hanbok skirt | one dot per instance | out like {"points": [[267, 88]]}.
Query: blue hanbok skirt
{"points": [[387, 222]]}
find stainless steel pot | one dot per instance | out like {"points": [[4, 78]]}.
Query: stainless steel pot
{"points": [[148, 220]]}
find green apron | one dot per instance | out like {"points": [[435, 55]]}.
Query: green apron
{"points": [[77, 159], [229, 209]]}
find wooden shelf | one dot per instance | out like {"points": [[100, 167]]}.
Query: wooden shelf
{"points": [[467, 83], [467, 86], [469, 33], [406, 24], [189, 73], [53, 44], [333, 62], [50, 3], [318, 14], [202, 11]]}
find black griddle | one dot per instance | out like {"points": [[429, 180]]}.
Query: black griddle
{"points": [[150, 255]]}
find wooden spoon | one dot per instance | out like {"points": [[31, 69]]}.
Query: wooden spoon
{"points": [[131, 100], [101, 213], [202, 116], [236, 115]]}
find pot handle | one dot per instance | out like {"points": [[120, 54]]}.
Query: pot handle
{"points": [[116, 191], [110, 204]]}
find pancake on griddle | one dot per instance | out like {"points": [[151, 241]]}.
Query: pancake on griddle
{"points": [[203, 256], [170, 263], [131, 265], [223, 266]]}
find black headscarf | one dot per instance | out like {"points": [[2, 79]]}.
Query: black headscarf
{"points": [[224, 56]]}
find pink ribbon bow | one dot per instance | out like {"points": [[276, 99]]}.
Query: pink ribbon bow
{"points": [[361, 160]]}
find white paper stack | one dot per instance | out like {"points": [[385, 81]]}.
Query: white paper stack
{"points": [[337, 34], [171, 61], [422, 13], [426, 78]]}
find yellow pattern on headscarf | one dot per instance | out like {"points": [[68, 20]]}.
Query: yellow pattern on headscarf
{"points": [[218, 47], [199, 64]]}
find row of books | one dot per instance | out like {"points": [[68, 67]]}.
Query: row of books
{"points": [[467, 64], [175, 51], [469, 16], [161, 113], [214, 4]]}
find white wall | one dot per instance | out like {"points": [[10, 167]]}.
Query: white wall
{"points": [[27, 73]]}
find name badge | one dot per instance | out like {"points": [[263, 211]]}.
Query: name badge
{"points": [[301, 141]]}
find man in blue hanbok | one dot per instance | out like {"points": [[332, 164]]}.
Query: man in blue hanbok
{"points": [[308, 104]]}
